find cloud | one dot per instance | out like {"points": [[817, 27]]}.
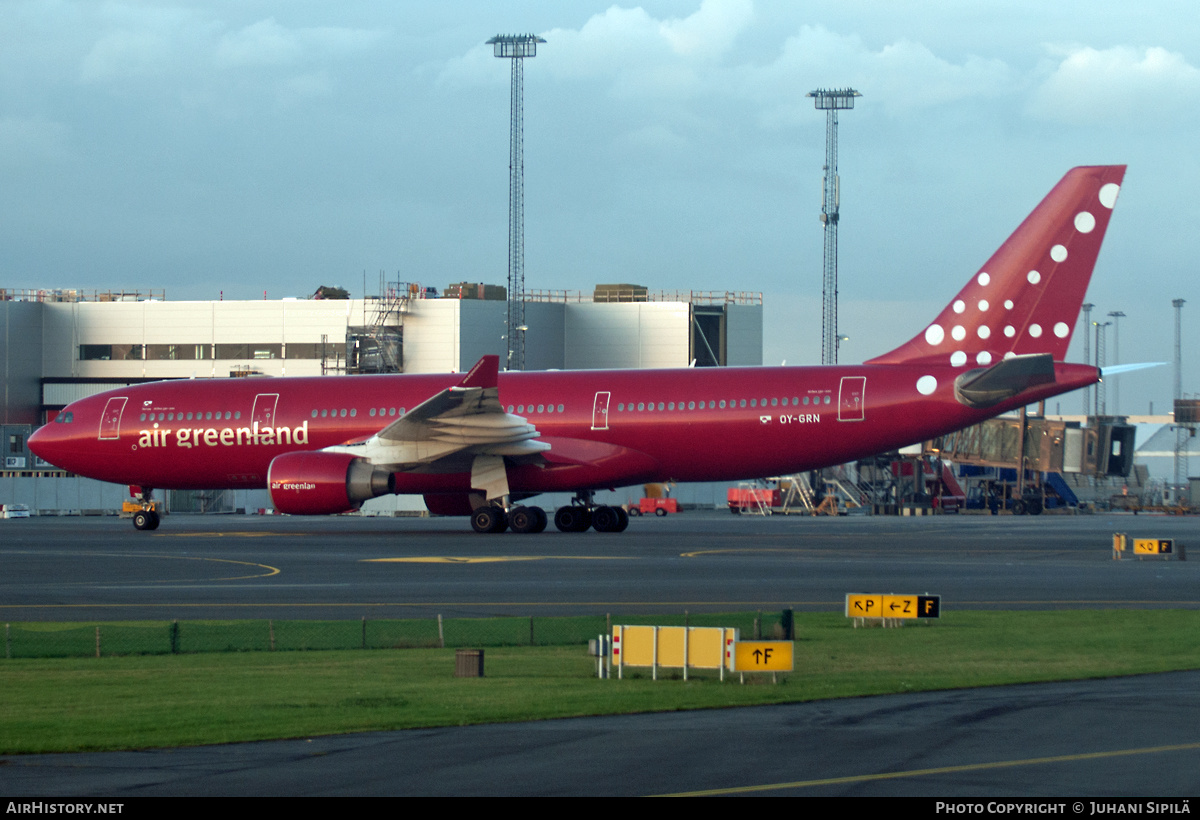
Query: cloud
{"points": [[901, 77], [143, 42], [633, 52], [1120, 84], [268, 43], [150, 43], [712, 29]]}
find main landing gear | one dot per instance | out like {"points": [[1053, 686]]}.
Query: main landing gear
{"points": [[578, 516]]}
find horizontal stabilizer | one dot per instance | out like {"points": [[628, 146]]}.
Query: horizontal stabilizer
{"points": [[984, 387]]}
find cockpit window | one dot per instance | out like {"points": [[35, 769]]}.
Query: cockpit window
{"points": [[65, 417]]}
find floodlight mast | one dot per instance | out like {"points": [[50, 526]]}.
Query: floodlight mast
{"points": [[830, 100], [516, 47], [1087, 352]]}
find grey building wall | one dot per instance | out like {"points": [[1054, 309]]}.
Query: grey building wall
{"points": [[627, 335], [545, 343], [744, 335], [481, 331], [21, 358]]}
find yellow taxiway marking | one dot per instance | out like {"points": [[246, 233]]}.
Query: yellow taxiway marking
{"points": [[969, 767], [270, 570], [489, 559]]}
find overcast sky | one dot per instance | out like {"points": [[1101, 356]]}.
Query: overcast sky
{"points": [[277, 145]]}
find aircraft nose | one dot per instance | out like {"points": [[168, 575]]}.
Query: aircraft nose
{"points": [[39, 442], [49, 443]]}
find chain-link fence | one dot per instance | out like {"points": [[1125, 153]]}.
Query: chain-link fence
{"points": [[83, 639]]}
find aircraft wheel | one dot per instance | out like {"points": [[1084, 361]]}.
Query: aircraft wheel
{"points": [[735, 510], [573, 519], [660, 512], [143, 520], [154, 520], [489, 519], [526, 520], [606, 519], [622, 519]]}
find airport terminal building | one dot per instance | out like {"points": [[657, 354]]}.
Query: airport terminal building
{"points": [[57, 346]]}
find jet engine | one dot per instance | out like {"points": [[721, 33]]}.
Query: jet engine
{"points": [[321, 483]]}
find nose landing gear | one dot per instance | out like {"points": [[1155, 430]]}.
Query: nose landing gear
{"points": [[145, 518]]}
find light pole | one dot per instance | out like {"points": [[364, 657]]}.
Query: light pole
{"points": [[1087, 351], [516, 47], [1101, 333], [1116, 317], [830, 100]]}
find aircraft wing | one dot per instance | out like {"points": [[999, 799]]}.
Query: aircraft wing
{"points": [[466, 418]]}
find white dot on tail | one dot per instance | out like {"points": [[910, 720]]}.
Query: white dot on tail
{"points": [[1009, 355], [959, 306], [1084, 222], [984, 331], [958, 332], [984, 358], [1010, 331], [1061, 330], [1034, 277], [1035, 331], [983, 304], [958, 358], [934, 334], [926, 385], [1008, 303], [1108, 194], [1058, 253], [983, 279]]}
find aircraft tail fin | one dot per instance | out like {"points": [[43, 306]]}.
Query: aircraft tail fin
{"points": [[1027, 298]]}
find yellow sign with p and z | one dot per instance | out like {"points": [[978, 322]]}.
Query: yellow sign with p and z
{"points": [[859, 605]]}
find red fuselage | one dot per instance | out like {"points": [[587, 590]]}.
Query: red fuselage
{"points": [[605, 428]]}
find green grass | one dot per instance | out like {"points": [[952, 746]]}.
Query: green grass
{"points": [[74, 704]]}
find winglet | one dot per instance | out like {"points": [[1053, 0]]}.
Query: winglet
{"points": [[484, 374]]}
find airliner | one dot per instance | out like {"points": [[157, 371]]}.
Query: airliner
{"points": [[480, 445]]}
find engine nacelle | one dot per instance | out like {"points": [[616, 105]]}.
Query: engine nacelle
{"points": [[321, 483]]}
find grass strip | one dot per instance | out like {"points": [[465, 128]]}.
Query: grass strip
{"points": [[75, 704]]}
